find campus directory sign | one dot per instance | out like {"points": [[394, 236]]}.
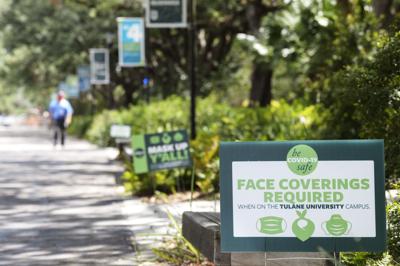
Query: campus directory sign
{"points": [[99, 66], [166, 13], [158, 151], [83, 73], [131, 42], [302, 196]]}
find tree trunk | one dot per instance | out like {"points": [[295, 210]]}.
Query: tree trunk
{"points": [[382, 8], [111, 101], [128, 91], [261, 85], [344, 6]]}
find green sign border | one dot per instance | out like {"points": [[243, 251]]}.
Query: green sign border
{"points": [[141, 162], [277, 151]]}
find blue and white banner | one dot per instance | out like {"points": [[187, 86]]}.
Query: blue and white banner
{"points": [[62, 86], [131, 42], [83, 78], [70, 87]]}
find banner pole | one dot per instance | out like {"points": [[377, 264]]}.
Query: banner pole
{"points": [[192, 71]]}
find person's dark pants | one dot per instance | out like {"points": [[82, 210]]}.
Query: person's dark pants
{"points": [[59, 130]]}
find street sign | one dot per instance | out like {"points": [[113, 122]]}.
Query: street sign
{"points": [[83, 73], [131, 42], [166, 13], [159, 151], [99, 66], [120, 131], [302, 196]]}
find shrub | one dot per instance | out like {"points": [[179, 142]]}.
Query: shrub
{"points": [[155, 117], [392, 256], [80, 125], [216, 122], [368, 103], [393, 215]]}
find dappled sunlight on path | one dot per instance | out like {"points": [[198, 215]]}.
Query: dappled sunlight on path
{"points": [[59, 206]]}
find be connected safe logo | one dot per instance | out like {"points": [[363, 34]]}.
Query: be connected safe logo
{"points": [[302, 159]]}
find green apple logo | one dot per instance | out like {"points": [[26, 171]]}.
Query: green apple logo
{"points": [[302, 160], [302, 227]]}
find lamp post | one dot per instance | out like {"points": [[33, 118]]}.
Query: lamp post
{"points": [[109, 36], [146, 87], [192, 70]]}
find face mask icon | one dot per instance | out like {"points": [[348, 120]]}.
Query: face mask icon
{"points": [[271, 225], [336, 226]]}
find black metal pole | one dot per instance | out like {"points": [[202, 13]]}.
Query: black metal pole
{"points": [[110, 96], [147, 88], [109, 40], [147, 67], [337, 258], [193, 84]]}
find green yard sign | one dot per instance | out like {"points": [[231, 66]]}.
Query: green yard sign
{"points": [[302, 196], [159, 151]]}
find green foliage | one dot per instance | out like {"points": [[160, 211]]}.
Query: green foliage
{"points": [[80, 125], [393, 216], [13, 102], [355, 258], [368, 103], [46, 40], [205, 157], [216, 122], [155, 117], [99, 131], [365, 258], [308, 40], [389, 258], [304, 42], [176, 249]]}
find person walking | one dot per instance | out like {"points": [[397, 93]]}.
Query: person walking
{"points": [[61, 116]]}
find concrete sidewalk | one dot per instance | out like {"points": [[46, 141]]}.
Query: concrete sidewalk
{"points": [[59, 207], [62, 207], [149, 223]]}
